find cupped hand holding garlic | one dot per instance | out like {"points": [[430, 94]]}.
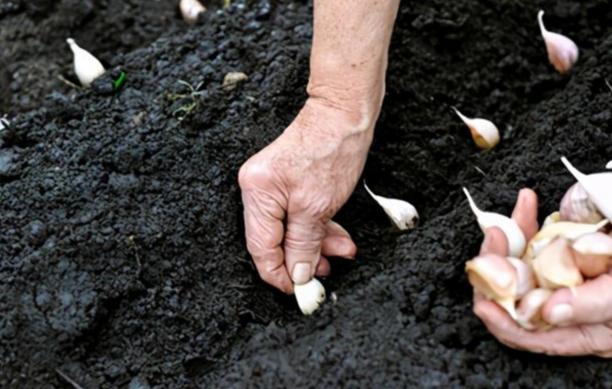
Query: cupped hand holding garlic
{"points": [[562, 51]]}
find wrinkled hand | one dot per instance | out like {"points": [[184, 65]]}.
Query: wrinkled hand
{"points": [[584, 320], [292, 188]]}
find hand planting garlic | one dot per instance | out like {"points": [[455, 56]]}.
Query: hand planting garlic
{"points": [[309, 296], [577, 207], [496, 279], [403, 214], [86, 66], [598, 186], [593, 253], [562, 51], [483, 131], [516, 239], [190, 10]]}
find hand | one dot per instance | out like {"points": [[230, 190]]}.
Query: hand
{"points": [[583, 321], [292, 188]]}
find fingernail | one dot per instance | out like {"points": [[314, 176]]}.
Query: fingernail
{"points": [[301, 273], [561, 314]]}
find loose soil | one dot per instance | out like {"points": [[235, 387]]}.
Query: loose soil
{"points": [[122, 256]]}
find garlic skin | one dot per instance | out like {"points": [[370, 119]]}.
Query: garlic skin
{"points": [[309, 296], [554, 217], [525, 279], [529, 310], [555, 267], [403, 214], [598, 186], [562, 51], [86, 66], [484, 132], [577, 207], [190, 10], [495, 278], [516, 238], [593, 253]]}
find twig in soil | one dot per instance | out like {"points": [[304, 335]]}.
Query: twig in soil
{"points": [[609, 86], [67, 82], [479, 170], [68, 379]]}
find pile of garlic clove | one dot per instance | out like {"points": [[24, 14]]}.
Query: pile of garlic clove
{"points": [[573, 245]]}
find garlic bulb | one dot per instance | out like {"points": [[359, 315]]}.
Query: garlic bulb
{"points": [[565, 230], [495, 278], [529, 310], [403, 214], [577, 207], [309, 296], [598, 186], [516, 238], [593, 253], [231, 79], [190, 10], [555, 266], [525, 279], [86, 66], [554, 217], [484, 132], [562, 51]]}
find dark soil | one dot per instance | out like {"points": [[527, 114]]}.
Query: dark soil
{"points": [[122, 257]]}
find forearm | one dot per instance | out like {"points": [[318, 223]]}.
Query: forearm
{"points": [[349, 54]]}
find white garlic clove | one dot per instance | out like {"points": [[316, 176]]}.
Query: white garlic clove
{"points": [[525, 279], [403, 214], [554, 217], [309, 296], [529, 310], [190, 10], [86, 66], [565, 230], [514, 234], [232, 79], [598, 186], [483, 131], [609, 165], [576, 206], [555, 267], [593, 253], [562, 51], [495, 278]]}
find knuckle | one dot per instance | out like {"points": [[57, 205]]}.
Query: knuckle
{"points": [[252, 172]]}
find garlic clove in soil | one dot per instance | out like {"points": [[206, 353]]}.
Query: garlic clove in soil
{"points": [[576, 206], [555, 266], [554, 217], [309, 296], [525, 279], [86, 66], [484, 132], [516, 238], [190, 10], [403, 214], [562, 229], [593, 253], [495, 278], [529, 310], [609, 165], [562, 51], [598, 186]]}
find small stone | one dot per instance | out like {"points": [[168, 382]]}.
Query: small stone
{"points": [[232, 79], [37, 233]]}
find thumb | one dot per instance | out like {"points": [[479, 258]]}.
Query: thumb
{"points": [[590, 303], [302, 247]]}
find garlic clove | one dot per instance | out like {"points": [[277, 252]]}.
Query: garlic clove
{"points": [[609, 165], [598, 186], [232, 79], [562, 51], [525, 279], [403, 214], [190, 10], [516, 238], [483, 131], [555, 267], [529, 310], [554, 217], [593, 253], [309, 296], [576, 206], [565, 230], [86, 66], [495, 278]]}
